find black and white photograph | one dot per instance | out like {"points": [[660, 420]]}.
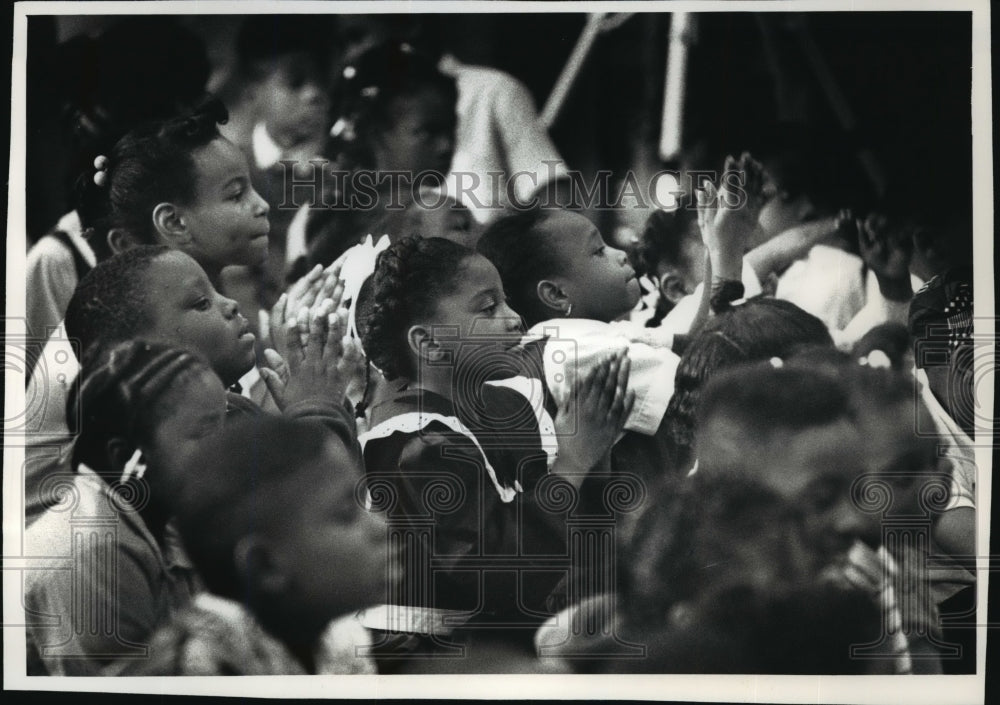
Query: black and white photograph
{"points": [[509, 350]]}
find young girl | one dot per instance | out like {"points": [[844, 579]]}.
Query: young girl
{"points": [[139, 410], [270, 514], [173, 67], [754, 331], [396, 114], [457, 465], [174, 182], [179, 183], [572, 289]]}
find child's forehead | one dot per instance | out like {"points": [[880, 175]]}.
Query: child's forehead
{"points": [[790, 459], [568, 232], [217, 160]]}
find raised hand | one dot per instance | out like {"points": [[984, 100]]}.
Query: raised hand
{"points": [[728, 215], [887, 252], [319, 369], [592, 415]]}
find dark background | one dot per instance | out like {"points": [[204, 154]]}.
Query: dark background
{"points": [[905, 75]]}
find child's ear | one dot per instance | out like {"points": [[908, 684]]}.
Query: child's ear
{"points": [[120, 240], [671, 288], [118, 453], [553, 296], [256, 567], [423, 345], [170, 224]]}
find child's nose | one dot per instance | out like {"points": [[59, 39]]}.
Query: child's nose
{"points": [[230, 308], [260, 206]]}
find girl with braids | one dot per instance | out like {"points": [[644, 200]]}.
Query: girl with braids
{"points": [[159, 294], [396, 114], [143, 409], [757, 330], [174, 182], [463, 460]]}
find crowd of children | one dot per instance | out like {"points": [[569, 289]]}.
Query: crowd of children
{"points": [[381, 432]]}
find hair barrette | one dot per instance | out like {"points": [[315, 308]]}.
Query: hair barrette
{"points": [[135, 467], [101, 175], [876, 359], [343, 129]]}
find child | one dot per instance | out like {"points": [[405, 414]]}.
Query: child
{"points": [[173, 67], [163, 295], [754, 331], [499, 133], [270, 513], [817, 438], [572, 288], [670, 254], [280, 121], [722, 577], [440, 327], [930, 479], [180, 183], [396, 113], [174, 182], [433, 214], [143, 408]]}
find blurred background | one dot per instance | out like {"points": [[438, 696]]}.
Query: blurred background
{"points": [[877, 102]]}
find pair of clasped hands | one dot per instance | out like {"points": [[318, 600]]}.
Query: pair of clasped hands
{"points": [[313, 357]]}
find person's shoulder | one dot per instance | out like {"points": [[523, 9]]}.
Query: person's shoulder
{"points": [[49, 254]]}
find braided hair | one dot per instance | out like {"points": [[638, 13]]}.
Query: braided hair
{"points": [[118, 395], [410, 276], [755, 331], [151, 164]]}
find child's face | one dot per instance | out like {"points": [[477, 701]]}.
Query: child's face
{"points": [[893, 450], [191, 411], [476, 311], [227, 219], [292, 100], [597, 279], [332, 552], [811, 468], [815, 469], [420, 135], [185, 310]]}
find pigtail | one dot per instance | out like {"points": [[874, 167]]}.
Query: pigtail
{"points": [[92, 202], [116, 392]]}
